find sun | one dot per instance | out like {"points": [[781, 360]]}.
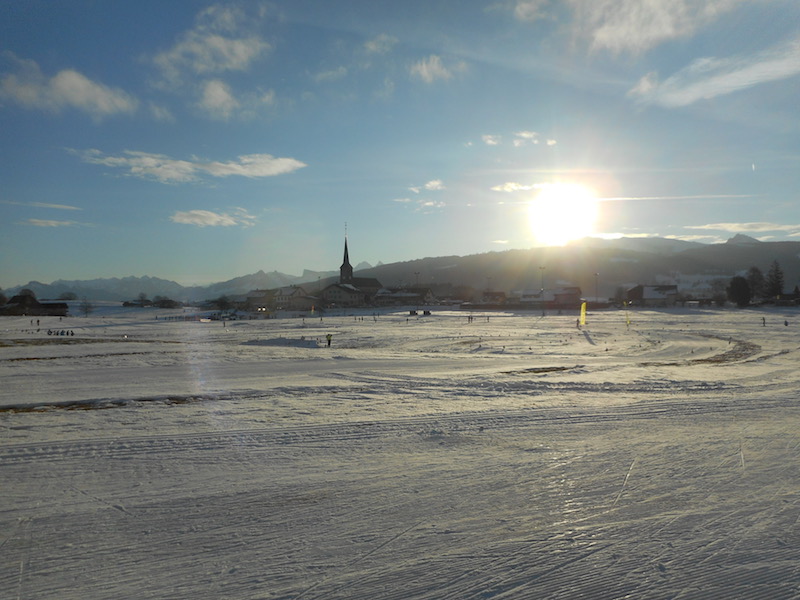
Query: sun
{"points": [[562, 212]]}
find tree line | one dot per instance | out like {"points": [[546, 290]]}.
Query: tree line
{"points": [[742, 290]]}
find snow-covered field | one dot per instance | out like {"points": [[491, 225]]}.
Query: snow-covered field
{"points": [[510, 456]]}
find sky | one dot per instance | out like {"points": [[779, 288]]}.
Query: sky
{"points": [[201, 141]]}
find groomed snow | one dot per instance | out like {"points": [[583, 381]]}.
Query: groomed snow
{"points": [[507, 456]]}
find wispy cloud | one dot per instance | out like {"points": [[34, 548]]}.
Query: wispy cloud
{"points": [[331, 75], [218, 100], [635, 26], [432, 69], [512, 186], [28, 87], [41, 205], [165, 169], [684, 197], [707, 78], [239, 217], [423, 205], [531, 10], [222, 40], [519, 139], [52, 223], [380, 44], [743, 227], [160, 112]]}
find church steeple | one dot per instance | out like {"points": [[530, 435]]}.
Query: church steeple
{"points": [[346, 270]]}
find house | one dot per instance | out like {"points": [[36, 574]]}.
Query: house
{"points": [[568, 297], [490, 297], [28, 305], [259, 300], [653, 295], [344, 294], [416, 296], [293, 298]]}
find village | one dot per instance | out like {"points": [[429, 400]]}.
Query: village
{"points": [[351, 291]]}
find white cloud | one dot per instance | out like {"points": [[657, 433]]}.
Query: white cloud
{"points": [[54, 206], [432, 69], [741, 227], [266, 98], [511, 187], [523, 138], [207, 218], [217, 100], [331, 75], [41, 205], [435, 185], [520, 139], [635, 26], [710, 77], [380, 44], [421, 204], [530, 10], [427, 205], [160, 113], [253, 165], [386, 90], [50, 223], [30, 88], [164, 169], [224, 40], [218, 43]]}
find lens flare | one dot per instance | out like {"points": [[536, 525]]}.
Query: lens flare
{"points": [[562, 212]]}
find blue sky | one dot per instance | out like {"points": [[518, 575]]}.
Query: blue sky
{"points": [[199, 141]]}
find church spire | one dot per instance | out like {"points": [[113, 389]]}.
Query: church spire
{"points": [[346, 270]]}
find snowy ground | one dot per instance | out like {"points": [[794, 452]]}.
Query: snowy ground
{"points": [[513, 456]]}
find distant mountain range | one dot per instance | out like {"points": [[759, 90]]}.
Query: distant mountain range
{"points": [[596, 265]]}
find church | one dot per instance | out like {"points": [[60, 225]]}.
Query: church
{"points": [[350, 291]]}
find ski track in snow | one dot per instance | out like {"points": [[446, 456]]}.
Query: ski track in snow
{"points": [[431, 458]]}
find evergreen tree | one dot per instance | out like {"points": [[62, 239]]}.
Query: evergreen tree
{"points": [[739, 291], [773, 287], [755, 279]]}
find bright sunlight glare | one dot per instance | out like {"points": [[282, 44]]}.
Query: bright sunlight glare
{"points": [[562, 212]]}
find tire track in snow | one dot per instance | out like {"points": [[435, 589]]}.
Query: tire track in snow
{"points": [[291, 435]]}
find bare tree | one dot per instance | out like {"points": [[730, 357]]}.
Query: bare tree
{"points": [[86, 307]]}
